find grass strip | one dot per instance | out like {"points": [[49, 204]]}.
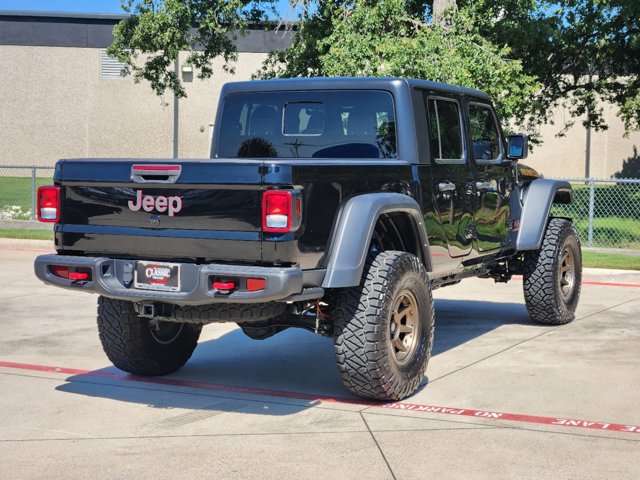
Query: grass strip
{"points": [[618, 261], [28, 234]]}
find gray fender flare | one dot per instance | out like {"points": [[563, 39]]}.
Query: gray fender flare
{"points": [[537, 199], [353, 231]]}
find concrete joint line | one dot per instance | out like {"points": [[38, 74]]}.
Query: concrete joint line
{"points": [[373, 437]]}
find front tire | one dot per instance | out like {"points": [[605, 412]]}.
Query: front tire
{"points": [[553, 275], [141, 347], [383, 328]]}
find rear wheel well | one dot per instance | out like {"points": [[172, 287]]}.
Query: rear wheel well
{"points": [[398, 231], [563, 197]]}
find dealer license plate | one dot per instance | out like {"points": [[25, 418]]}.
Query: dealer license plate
{"points": [[164, 277]]}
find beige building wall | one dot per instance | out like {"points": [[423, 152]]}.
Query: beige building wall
{"points": [[564, 157], [54, 104]]}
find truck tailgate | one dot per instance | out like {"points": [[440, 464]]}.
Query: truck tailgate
{"points": [[148, 208]]}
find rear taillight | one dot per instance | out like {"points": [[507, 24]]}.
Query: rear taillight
{"points": [[48, 205], [281, 211]]}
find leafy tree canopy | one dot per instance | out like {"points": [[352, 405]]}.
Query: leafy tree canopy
{"points": [[150, 39], [579, 50]]}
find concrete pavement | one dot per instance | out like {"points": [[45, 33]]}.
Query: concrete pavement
{"points": [[276, 408]]}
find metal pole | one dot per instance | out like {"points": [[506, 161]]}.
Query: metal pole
{"points": [[587, 153], [592, 199], [587, 157], [176, 113], [33, 193]]}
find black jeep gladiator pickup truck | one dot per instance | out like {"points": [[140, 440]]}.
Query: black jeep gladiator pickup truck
{"points": [[335, 205]]}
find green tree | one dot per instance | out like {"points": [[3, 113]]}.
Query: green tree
{"points": [[150, 39], [395, 38], [579, 50]]}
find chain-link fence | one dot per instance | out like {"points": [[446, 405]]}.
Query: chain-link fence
{"points": [[18, 186], [605, 212]]}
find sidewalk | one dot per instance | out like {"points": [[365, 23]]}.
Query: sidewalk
{"points": [[26, 244]]}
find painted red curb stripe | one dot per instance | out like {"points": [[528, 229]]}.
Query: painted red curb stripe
{"points": [[610, 284], [409, 407], [515, 417]]}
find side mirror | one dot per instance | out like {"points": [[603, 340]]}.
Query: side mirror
{"points": [[517, 147]]}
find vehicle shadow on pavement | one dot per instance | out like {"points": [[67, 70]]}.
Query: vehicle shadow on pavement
{"points": [[460, 321], [295, 369]]}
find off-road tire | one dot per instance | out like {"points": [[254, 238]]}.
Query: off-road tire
{"points": [[550, 299], [363, 326], [128, 341]]}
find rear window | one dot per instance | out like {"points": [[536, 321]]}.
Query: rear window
{"points": [[315, 124]]}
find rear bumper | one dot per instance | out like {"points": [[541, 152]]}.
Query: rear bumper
{"points": [[114, 278]]}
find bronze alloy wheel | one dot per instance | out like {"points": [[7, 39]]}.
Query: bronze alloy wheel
{"points": [[403, 327], [566, 274], [383, 328]]}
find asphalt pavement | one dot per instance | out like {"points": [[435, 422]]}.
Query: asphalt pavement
{"points": [[503, 397]]}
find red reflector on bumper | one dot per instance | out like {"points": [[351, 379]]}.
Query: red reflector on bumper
{"points": [[78, 276], [256, 284], [224, 285]]}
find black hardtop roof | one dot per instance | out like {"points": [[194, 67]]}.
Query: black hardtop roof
{"points": [[347, 83]]}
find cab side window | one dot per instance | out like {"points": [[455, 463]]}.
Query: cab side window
{"points": [[485, 135], [445, 130]]}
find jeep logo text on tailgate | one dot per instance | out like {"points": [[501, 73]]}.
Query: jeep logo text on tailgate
{"points": [[161, 204]]}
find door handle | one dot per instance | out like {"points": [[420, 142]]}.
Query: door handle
{"points": [[446, 186], [483, 185]]}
